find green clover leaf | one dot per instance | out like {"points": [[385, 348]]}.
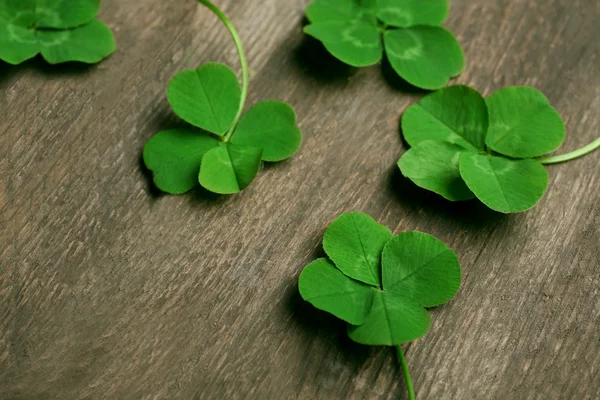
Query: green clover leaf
{"points": [[504, 185], [270, 125], [380, 284], [357, 43], [425, 56], [385, 305], [62, 31], [465, 146], [225, 158], [407, 13], [434, 166], [208, 97], [408, 31], [418, 272], [523, 124], [229, 168], [342, 11], [328, 289], [456, 114], [354, 242]]}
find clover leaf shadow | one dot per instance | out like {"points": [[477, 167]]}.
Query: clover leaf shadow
{"points": [[64, 69], [162, 119], [267, 165], [151, 188], [398, 83], [7, 71], [327, 329], [203, 197], [197, 195], [471, 214], [311, 57], [38, 64]]}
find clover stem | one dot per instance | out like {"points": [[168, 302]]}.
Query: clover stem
{"points": [[409, 386], [572, 155], [243, 62]]}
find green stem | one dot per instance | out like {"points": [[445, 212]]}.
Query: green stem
{"points": [[243, 62], [409, 386], [572, 155]]}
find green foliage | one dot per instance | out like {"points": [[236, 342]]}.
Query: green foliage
{"points": [[465, 146], [515, 112], [208, 97], [229, 168], [440, 173], [379, 283], [225, 155], [354, 243], [359, 32], [175, 156], [503, 184], [61, 31], [457, 114], [270, 125]]}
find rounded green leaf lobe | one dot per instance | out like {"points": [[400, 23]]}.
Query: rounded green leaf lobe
{"points": [[504, 185], [406, 13], [89, 43], [229, 168], [434, 166], [394, 319], [208, 97], [354, 242], [356, 43], [174, 157], [523, 124], [270, 125], [328, 289], [62, 30], [420, 267], [456, 114], [425, 56], [341, 11]]}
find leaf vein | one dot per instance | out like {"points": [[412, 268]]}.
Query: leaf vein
{"points": [[325, 296], [362, 247], [454, 132], [418, 269], [498, 182], [387, 318], [235, 173], [212, 108]]}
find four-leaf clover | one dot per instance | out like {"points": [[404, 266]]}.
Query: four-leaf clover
{"points": [[358, 32], [61, 30], [379, 283], [464, 146]]}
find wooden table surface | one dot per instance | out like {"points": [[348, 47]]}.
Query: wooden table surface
{"points": [[109, 290]]}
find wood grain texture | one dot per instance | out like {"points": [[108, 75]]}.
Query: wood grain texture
{"points": [[109, 290]]}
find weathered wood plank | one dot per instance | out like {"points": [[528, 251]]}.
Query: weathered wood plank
{"points": [[108, 290]]}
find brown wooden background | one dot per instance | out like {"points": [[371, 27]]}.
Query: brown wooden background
{"points": [[109, 290]]}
